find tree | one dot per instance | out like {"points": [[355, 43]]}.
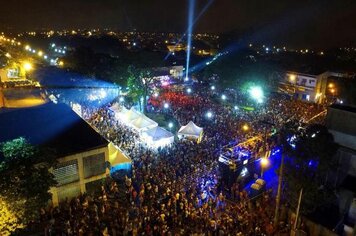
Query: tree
{"points": [[139, 83], [24, 179], [308, 167]]}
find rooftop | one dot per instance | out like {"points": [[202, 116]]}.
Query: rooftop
{"points": [[343, 108], [53, 126]]}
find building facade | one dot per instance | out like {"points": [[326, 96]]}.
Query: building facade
{"points": [[84, 157]]}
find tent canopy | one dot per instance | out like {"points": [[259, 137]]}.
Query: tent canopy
{"points": [[158, 133], [143, 123], [158, 137], [116, 108], [129, 115], [190, 129], [116, 156]]}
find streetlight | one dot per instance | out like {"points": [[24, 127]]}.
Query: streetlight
{"points": [[223, 97], [40, 53], [264, 164], [213, 87], [245, 127], [27, 66], [331, 85], [189, 90], [166, 105], [209, 114], [61, 63], [256, 93], [292, 78], [170, 125]]}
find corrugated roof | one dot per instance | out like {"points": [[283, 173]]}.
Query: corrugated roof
{"points": [[53, 126]]}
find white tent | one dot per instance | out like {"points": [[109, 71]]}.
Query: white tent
{"points": [[129, 115], [143, 123], [191, 130], [157, 137], [115, 108]]}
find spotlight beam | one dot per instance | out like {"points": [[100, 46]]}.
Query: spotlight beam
{"points": [[194, 22], [189, 35]]}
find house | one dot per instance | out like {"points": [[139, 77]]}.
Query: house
{"points": [[83, 155]]}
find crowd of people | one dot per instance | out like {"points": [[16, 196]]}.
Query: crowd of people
{"points": [[177, 190]]}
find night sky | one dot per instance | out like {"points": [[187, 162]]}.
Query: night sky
{"points": [[295, 22]]}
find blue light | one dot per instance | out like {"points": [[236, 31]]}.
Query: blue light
{"points": [[209, 114], [189, 90], [213, 87], [189, 34]]}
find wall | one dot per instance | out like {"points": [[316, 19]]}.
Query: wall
{"points": [[74, 188]]}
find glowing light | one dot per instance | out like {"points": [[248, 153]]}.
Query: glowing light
{"points": [[27, 66], [53, 45], [264, 162], [134, 44], [121, 99], [170, 125], [7, 55], [33, 51], [40, 53], [45, 56], [292, 77], [189, 90], [61, 63], [27, 47], [236, 107], [244, 172], [256, 93], [155, 94], [245, 127], [209, 114], [186, 79], [213, 87], [189, 34], [166, 105], [223, 97], [331, 85]]}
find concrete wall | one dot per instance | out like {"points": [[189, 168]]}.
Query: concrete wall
{"points": [[71, 188]]}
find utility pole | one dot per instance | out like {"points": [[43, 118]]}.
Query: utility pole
{"points": [[279, 190], [294, 229]]}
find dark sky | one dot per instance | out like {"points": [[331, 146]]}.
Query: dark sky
{"points": [[298, 22]]}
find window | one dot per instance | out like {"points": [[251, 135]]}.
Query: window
{"points": [[94, 165], [66, 172]]}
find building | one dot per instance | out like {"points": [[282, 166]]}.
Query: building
{"points": [[316, 87], [83, 155], [341, 122]]}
